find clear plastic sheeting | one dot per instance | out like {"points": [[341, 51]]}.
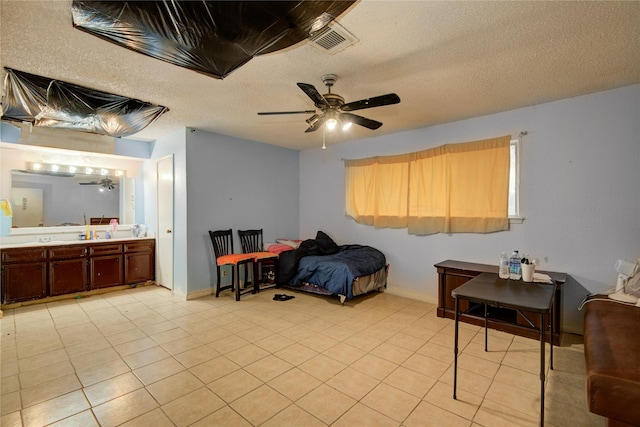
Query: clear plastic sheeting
{"points": [[210, 37], [56, 104]]}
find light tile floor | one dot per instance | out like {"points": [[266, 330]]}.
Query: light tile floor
{"points": [[142, 357]]}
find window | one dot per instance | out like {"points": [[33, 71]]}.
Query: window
{"points": [[514, 178], [454, 188]]}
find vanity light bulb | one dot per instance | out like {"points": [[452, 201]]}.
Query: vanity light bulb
{"points": [[72, 169], [103, 172], [55, 168], [88, 170], [37, 166], [119, 173]]}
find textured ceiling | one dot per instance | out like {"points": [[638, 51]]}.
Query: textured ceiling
{"points": [[446, 60]]}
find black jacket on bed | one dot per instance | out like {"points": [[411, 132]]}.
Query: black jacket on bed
{"points": [[288, 261]]}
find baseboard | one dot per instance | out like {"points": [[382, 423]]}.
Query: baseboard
{"points": [[199, 294], [406, 293]]}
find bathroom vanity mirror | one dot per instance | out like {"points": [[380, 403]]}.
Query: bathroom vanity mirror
{"points": [[55, 200]]}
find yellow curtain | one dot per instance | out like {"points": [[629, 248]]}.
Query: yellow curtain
{"points": [[376, 190], [456, 188], [460, 188]]}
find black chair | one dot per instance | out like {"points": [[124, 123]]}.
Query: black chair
{"points": [[222, 241], [266, 263]]}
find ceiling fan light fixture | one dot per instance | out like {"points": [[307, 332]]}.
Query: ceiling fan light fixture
{"points": [[331, 124], [346, 125]]}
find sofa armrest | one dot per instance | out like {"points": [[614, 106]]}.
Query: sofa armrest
{"points": [[612, 356]]}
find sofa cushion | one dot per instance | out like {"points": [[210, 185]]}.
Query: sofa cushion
{"points": [[612, 355]]}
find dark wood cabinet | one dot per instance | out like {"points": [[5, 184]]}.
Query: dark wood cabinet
{"points": [[67, 270], [139, 262], [24, 274], [452, 274], [105, 271], [105, 266], [36, 272]]}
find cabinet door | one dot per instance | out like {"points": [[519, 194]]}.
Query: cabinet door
{"points": [[67, 276], [138, 268], [105, 271], [23, 282]]}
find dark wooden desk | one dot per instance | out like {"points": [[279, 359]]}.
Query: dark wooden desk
{"points": [[489, 290], [452, 274]]}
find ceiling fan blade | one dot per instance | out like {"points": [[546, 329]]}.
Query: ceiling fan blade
{"points": [[312, 92], [376, 101], [314, 126], [362, 121], [273, 113]]}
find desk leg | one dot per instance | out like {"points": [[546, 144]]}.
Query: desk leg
{"points": [[455, 351], [551, 336], [542, 333], [485, 329]]}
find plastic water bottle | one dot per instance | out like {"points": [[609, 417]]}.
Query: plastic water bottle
{"points": [[503, 271], [515, 268]]}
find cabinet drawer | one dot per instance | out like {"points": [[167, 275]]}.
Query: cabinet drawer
{"points": [[139, 246], [109, 249], [64, 252], [24, 255]]}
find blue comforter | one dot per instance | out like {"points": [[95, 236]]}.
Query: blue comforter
{"points": [[336, 272]]}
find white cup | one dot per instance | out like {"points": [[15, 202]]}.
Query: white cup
{"points": [[527, 272]]}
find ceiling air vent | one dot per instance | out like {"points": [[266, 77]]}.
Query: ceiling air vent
{"points": [[333, 38]]}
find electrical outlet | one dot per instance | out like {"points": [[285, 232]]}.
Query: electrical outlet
{"points": [[224, 272]]}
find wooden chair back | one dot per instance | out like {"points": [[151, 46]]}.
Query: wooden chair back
{"points": [[251, 240]]}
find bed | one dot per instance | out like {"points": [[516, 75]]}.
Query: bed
{"points": [[321, 266]]}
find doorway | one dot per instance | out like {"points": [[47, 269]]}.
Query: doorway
{"points": [[165, 189], [28, 207]]}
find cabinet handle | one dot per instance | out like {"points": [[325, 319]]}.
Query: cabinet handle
{"points": [[169, 231]]}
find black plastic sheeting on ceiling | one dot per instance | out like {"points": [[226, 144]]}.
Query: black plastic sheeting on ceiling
{"points": [[53, 103], [211, 37]]}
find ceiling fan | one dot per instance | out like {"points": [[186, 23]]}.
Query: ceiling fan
{"points": [[105, 183], [332, 110]]}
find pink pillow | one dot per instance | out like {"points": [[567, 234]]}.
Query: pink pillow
{"points": [[291, 242], [279, 248]]}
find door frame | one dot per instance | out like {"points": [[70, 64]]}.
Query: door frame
{"points": [[160, 210]]}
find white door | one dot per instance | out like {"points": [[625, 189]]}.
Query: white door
{"points": [[164, 263], [28, 207]]}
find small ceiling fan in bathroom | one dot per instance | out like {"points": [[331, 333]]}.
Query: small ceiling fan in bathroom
{"points": [[105, 183]]}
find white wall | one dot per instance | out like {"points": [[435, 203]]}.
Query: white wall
{"points": [[580, 195]]}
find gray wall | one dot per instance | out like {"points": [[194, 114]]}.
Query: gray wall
{"points": [[222, 182], [579, 195], [237, 184]]}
